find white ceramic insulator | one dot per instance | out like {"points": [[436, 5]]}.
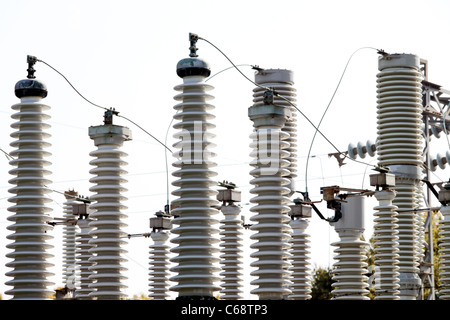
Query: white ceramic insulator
{"points": [[409, 237], [281, 81], [159, 266], [84, 263], [407, 225], [386, 247], [272, 230], [301, 271], [231, 253], [196, 241], [399, 109], [108, 234], [420, 221], [400, 148], [31, 232], [350, 268], [70, 230], [439, 160], [444, 253], [361, 149]]}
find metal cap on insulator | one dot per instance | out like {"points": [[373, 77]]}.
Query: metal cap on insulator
{"points": [[398, 60], [274, 76], [193, 67], [30, 88]]}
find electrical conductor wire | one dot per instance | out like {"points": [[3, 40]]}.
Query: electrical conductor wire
{"points": [[326, 110], [281, 97], [98, 106]]}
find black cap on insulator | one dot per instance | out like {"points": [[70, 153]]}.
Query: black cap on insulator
{"points": [[193, 67], [30, 88]]}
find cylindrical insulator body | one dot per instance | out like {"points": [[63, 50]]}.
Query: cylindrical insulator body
{"points": [[108, 234], [444, 254], [159, 266], [69, 243], [350, 268], [386, 247], [272, 230], [301, 273], [196, 241], [84, 263], [231, 253], [399, 147], [30, 247], [281, 81]]}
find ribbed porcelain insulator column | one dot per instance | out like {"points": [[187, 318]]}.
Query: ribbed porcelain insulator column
{"points": [[399, 147], [301, 273], [31, 232], [196, 242], [271, 222], [108, 234], [159, 266], [231, 253], [281, 81], [69, 234], [444, 254], [83, 255], [386, 247], [350, 269]]}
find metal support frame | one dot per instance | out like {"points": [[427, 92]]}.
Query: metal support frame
{"points": [[433, 118]]}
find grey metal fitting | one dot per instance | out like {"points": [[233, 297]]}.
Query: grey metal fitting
{"points": [[268, 115], [382, 180], [109, 134], [274, 76], [396, 60]]}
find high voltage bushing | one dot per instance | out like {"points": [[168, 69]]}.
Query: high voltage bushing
{"points": [[271, 227], [386, 276], [301, 271], [350, 268], [108, 235], [399, 148], [69, 243], [196, 243], [444, 247], [29, 249], [281, 81], [231, 243], [159, 257]]}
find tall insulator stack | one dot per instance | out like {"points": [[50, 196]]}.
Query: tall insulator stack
{"points": [[82, 253], [282, 82], [69, 244], [30, 247], [159, 257], [196, 241], [399, 148], [385, 239], [301, 271], [231, 243], [271, 187], [108, 235], [444, 247], [350, 268]]}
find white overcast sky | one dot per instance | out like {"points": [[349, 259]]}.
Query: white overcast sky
{"points": [[123, 54]]}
